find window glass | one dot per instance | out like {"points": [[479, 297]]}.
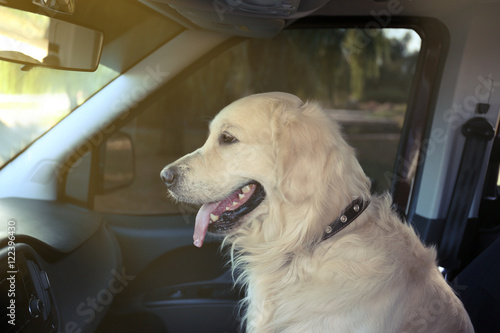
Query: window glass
{"points": [[34, 100], [362, 81]]}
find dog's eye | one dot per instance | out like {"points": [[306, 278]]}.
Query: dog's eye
{"points": [[226, 138]]}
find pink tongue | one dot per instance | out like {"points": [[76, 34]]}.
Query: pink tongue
{"points": [[202, 221], [217, 208]]}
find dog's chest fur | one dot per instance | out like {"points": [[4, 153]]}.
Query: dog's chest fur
{"points": [[306, 295], [355, 283]]}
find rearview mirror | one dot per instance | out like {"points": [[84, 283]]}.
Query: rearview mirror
{"points": [[38, 40]]}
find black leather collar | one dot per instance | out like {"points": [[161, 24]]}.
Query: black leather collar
{"points": [[349, 214]]}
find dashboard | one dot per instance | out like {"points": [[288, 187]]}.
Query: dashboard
{"points": [[63, 267]]}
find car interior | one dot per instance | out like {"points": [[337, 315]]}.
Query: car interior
{"points": [[98, 96]]}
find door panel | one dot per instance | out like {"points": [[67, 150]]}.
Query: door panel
{"points": [[178, 287]]}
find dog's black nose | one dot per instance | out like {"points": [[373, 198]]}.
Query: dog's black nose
{"points": [[169, 176]]}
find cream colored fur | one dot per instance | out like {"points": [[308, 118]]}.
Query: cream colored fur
{"points": [[373, 276]]}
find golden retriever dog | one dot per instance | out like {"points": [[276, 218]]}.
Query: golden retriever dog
{"points": [[316, 251]]}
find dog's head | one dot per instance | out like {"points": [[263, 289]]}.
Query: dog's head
{"points": [[266, 154]]}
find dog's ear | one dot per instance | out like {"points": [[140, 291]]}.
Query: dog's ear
{"points": [[302, 147]]}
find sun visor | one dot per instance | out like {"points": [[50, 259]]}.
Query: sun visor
{"points": [[248, 18]]}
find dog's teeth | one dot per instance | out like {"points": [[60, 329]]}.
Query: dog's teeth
{"points": [[234, 203], [228, 208], [213, 217], [245, 189], [241, 196]]}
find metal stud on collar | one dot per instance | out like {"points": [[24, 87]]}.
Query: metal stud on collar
{"points": [[350, 213]]}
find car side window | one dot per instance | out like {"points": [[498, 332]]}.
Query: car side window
{"points": [[363, 82]]}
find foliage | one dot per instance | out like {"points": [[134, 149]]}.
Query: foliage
{"points": [[34, 100], [339, 67]]}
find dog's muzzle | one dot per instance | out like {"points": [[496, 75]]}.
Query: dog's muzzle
{"points": [[224, 212]]}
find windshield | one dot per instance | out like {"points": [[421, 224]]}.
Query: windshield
{"points": [[34, 100]]}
